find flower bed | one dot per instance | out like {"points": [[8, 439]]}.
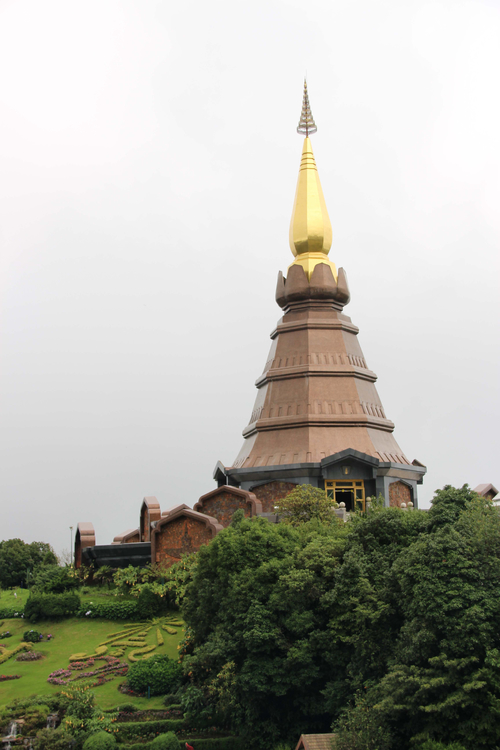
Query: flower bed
{"points": [[5, 677], [29, 656], [113, 668]]}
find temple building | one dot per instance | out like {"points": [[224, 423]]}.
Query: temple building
{"points": [[317, 418]]}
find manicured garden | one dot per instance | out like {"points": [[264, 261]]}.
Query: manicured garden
{"points": [[78, 636]]}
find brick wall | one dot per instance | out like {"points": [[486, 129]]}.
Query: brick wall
{"points": [[399, 493], [223, 505], [180, 537], [270, 492]]}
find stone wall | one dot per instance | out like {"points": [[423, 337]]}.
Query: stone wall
{"points": [[270, 492], [399, 492]]}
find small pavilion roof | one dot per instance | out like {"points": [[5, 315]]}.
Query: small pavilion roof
{"points": [[315, 742]]}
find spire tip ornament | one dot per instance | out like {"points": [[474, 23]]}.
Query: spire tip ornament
{"points": [[310, 228], [306, 123]]}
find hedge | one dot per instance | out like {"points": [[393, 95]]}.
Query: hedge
{"points": [[111, 611], [51, 606], [10, 612], [137, 729]]}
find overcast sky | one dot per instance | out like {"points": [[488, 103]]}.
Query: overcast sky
{"points": [[148, 163]]}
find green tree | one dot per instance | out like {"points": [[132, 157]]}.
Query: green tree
{"points": [[304, 503], [103, 574], [362, 728], [159, 673], [444, 679], [17, 559], [54, 579], [390, 619], [255, 646]]}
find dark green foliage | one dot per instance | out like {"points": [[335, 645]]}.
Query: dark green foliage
{"points": [[448, 503], [31, 636], [54, 579], [362, 728], [50, 558], [444, 678], [160, 673], [166, 741], [18, 559], [171, 699], [255, 649], [148, 603], [11, 612], [111, 611], [51, 606], [53, 739], [401, 608], [100, 741], [132, 729]]}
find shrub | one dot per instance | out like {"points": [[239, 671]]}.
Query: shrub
{"points": [[51, 606], [160, 673], [54, 580], [32, 636], [171, 699], [11, 612], [35, 718], [149, 603], [137, 729], [100, 741], [111, 611], [166, 741], [53, 739]]}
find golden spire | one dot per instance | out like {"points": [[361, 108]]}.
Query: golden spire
{"points": [[310, 228]]}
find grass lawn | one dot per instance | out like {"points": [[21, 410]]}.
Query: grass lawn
{"points": [[73, 636], [7, 598]]}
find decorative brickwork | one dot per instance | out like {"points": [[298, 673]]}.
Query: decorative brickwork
{"points": [[399, 493], [224, 501], [180, 534], [270, 492]]}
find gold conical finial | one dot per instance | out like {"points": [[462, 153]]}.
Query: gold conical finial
{"points": [[310, 228], [306, 123]]}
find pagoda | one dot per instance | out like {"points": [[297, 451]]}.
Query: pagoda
{"points": [[318, 418]]}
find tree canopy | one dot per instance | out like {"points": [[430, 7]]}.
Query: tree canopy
{"points": [[18, 558], [387, 626], [304, 503]]}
